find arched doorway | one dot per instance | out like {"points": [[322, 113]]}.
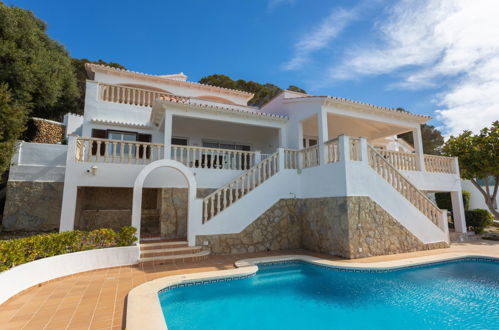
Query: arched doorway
{"points": [[139, 183]]}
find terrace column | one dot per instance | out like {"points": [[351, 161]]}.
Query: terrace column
{"points": [[299, 132], [68, 208], [418, 148], [168, 136], [458, 211], [323, 132], [344, 148], [283, 141], [458, 204]]}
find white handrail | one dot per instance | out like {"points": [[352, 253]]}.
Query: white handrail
{"points": [[333, 150], [213, 158], [230, 193], [133, 95], [117, 151], [439, 164], [398, 181], [401, 160]]}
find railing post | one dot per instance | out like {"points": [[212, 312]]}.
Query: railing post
{"points": [[418, 149], [168, 136], [363, 149], [280, 159], [344, 148], [258, 156], [322, 125]]}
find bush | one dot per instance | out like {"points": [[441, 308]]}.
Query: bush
{"points": [[478, 219], [18, 251], [444, 201]]}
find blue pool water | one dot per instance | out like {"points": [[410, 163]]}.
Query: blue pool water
{"points": [[295, 295]]}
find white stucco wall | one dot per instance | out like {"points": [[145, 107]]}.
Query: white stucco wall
{"points": [[477, 200], [30, 274], [38, 162]]}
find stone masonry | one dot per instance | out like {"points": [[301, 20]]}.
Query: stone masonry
{"points": [[349, 227], [33, 206]]}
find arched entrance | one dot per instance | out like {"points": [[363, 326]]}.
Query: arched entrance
{"points": [[139, 183]]}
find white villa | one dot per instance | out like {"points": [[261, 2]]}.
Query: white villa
{"points": [[187, 161]]}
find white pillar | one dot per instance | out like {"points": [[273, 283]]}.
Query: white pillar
{"points": [[323, 133], [281, 158], [168, 135], [344, 148], [363, 149], [68, 208], [458, 211], [300, 135], [283, 142], [418, 148]]}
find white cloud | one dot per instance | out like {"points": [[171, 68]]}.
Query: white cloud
{"points": [[320, 37], [449, 44]]}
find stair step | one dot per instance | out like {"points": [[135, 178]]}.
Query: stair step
{"points": [[160, 240], [169, 251], [160, 260], [163, 245]]}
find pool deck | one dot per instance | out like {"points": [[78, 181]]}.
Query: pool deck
{"points": [[97, 299]]}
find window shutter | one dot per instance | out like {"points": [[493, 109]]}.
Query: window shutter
{"points": [[99, 134]]}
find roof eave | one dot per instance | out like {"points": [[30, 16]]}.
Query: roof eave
{"points": [[92, 68]]}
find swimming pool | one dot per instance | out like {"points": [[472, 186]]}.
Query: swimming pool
{"points": [[461, 294]]}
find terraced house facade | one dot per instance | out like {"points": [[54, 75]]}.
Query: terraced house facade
{"points": [[183, 160]]}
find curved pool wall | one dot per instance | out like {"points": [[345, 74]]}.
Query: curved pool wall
{"points": [[452, 294]]}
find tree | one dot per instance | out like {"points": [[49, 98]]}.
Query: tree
{"points": [[478, 160], [294, 88], [81, 78], [12, 119], [36, 68], [431, 136], [263, 93]]}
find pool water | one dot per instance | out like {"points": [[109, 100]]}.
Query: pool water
{"points": [[296, 295]]}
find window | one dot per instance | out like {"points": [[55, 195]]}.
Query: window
{"points": [[179, 141], [309, 142], [121, 136], [225, 145], [229, 157]]}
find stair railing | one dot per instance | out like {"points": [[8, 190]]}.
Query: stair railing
{"points": [[227, 195], [398, 181]]}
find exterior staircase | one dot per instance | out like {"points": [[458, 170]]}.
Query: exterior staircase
{"points": [[154, 252]]}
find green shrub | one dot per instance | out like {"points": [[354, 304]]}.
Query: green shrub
{"points": [[126, 236], [478, 219], [444, 201], [18, 251]]}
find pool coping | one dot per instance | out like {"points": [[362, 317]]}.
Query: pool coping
{"points": [[144, 310]]}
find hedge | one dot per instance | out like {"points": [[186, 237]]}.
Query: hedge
{"points": [[478, 219], [18, 251]]}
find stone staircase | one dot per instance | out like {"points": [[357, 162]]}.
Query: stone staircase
{"points": [[154, 252]]}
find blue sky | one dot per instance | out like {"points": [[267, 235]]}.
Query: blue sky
{"points": [[413, 54]]}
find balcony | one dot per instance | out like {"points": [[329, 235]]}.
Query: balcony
{"points": [[140, 153]]}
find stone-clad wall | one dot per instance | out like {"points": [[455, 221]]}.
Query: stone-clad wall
{"points": [[372, 231], [32, 206], [350, 227], [173, 210], [324, 225], [277, 229]]}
